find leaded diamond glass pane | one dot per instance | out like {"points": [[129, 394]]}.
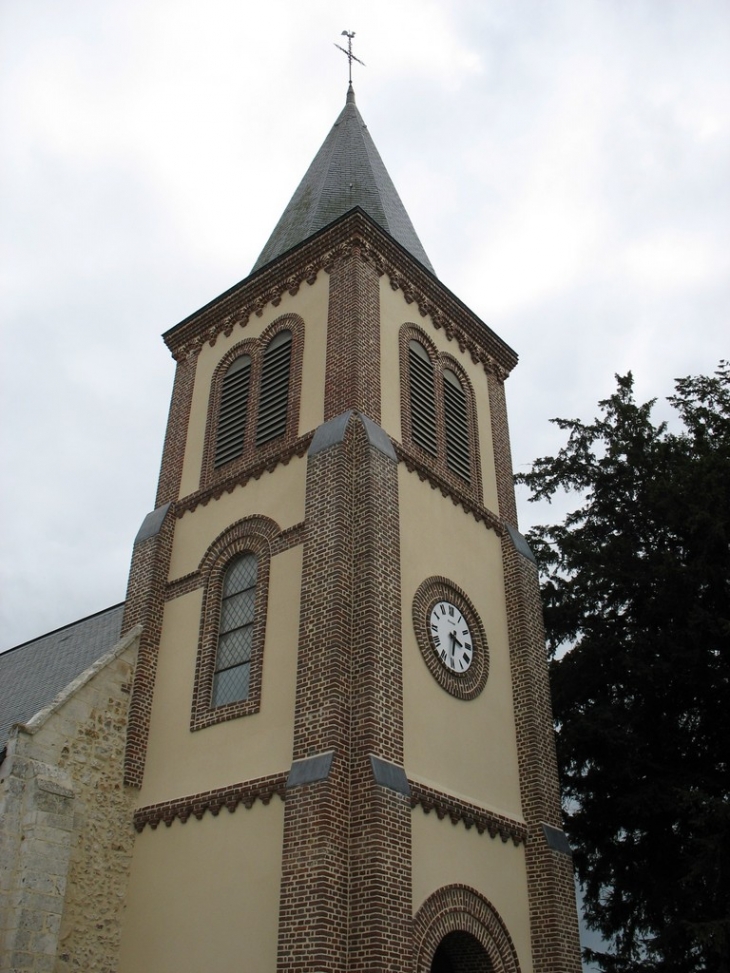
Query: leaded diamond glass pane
{"points": [[234, 648], [231, 686], [238, 610], [241, 574]]}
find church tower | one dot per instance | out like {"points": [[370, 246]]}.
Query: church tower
{"points": [[340, 728]]}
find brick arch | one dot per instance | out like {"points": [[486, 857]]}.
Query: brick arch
{"points": [[448, 361], [254, 535], [286, 322], [459, 908], [438, 464], [229, 542], [255, 347], [412, 332]]}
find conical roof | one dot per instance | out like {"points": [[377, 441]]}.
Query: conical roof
{"points": [[346, 172]]}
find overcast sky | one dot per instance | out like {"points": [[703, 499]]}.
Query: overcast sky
{"points": [[565, 164]]}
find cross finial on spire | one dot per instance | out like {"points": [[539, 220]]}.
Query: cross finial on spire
{"points": [[349, 34]]}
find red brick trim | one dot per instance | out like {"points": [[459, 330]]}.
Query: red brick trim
{"points": [[380, 906], [346, 870], [463, 685], [355, 231], [458, 908], [183, 586], [173, 454], [144, 606], [253, 534], [551, 892], [313, 908], [266, 462], [502, 451], [246, 793], [255, 347], [353, 339], [290, 537], [437, 464], [470, 815]]}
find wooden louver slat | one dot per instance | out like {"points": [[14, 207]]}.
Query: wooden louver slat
{"points": [[233, 409], [456, 422], [274, 397], [423, 399]]}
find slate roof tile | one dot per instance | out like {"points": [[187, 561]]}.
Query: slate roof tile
{"points": [[34, 673], [346, 172]]}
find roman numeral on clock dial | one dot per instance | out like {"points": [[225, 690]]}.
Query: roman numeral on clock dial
{"points": [[450, 636]]}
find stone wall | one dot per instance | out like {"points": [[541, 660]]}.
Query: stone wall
{"points": [[66, 831]]}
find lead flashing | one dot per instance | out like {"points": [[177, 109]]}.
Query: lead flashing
{"points": [[390, 775], [310, 769], [330, 433], [333, 432], [520, 543], [152, 524], [378, 438], [557, 840]]}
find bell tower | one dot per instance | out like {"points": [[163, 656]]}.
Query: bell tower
{"points": [[340, 727]]}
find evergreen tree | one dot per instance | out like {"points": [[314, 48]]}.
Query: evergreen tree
{"points": [[636, 587]]}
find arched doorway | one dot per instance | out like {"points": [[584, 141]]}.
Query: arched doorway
{"points": [[460, 952], [457, 930]]}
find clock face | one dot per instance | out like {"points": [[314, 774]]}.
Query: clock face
{"points": [[450, 636]]}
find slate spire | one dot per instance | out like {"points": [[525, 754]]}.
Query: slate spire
{"points": [[346, 172]]}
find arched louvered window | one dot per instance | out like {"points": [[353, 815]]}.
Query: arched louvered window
{"points": [[274, 395], [233, 411], [438, 414], [235, 638], [456, 425], [423, 398]]}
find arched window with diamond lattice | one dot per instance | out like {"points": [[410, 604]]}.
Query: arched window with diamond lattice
{"points": [[235, 637]]}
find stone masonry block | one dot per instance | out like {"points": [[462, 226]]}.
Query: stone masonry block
{"points": [[50, 885], [30, 921], [44, 943]]}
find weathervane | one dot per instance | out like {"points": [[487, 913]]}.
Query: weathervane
{"points": [[349, 34]]}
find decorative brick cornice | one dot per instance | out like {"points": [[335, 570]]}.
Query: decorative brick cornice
{"points": [[414, 464], [267, 464], [470, 815], [354, 233], [246, 793], [429, 295]]}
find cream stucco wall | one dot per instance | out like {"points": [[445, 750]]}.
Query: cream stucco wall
{"points": [[311, 304], [394, 313], [446, 854], [181, 763], [467, 748], [204, 895], [279, 495]]}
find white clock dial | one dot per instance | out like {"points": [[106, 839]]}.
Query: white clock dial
{"points": [[450, 636]]}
